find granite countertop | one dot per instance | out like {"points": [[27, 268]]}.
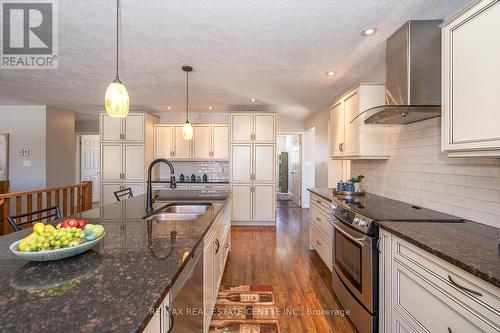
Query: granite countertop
{"points": [[114, 286], [469, 245]]}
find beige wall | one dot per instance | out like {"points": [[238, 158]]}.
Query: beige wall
{"points": [[319, 121], [60, 141], [287, 124]]}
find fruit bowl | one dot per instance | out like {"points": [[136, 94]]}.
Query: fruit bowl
{"points": [[56, 254]]}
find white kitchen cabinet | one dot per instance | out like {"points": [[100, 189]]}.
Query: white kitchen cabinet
{"points": [[264, 163], [163, 137], [253, 127], [111, 162], [202, 141], [416, 285], [182, 148], [264, 202], [160, 321], [220, 141], [130, 128], [241, 202], [133, 162], [264, 128], [134, 127], [320, 229], [350, 137], [110, 128], [241, 127], [470, 72], [241, 158], [107, 192], [208, 280]]}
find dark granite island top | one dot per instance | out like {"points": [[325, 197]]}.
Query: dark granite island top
{"points": [[469, 245], [112, 287]]}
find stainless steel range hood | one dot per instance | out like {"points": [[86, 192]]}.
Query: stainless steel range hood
{"points": [[413, 67]]}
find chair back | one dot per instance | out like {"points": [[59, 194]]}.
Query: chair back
{"points": [[123, 194], [18, 222]]}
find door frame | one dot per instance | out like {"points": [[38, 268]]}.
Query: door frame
{"points": [[301, 158], [78, 153]]}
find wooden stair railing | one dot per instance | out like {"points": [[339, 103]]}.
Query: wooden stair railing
{"points": [[71, 199]]}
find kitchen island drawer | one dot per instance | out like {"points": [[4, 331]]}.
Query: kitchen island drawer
{"points": [[321, 203], [478, 300], [321, 221], [322, 245]]}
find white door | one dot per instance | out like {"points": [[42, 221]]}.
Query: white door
{"points": [[242, 202], [263, 164], [111, 162], [163, 141], [182, 148], [89, 163], [133, 162], [202, 145], [264, 128], [134, 127], [108, 196], [351, 110], [111, 128], [295, 169], [264, 202], [241, 168], [241, 128], [220, 141], [337, 128]]}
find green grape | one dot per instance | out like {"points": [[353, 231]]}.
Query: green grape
{"points": [[57, 247], [50, 238], [27, 248], [74, 229], [52, 242], [65, 243], [58, 243], [40, 238], [62, 239], [46, 245], [70, 237]]}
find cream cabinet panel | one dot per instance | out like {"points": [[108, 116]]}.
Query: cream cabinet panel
{"points": [[471, 69], [242, 202], [241, 128], [264, 198], [182, 148], [108, 196], [220, 141], [202, 141], [163, 141], [241, 168], [264, 128], [111, 128], [133, 162], [351, 110], [264, 162], [111, 162], [134, 127], [137, 189], [337, 128]]}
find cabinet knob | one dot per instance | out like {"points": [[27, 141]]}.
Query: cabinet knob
{"points": [[317, 242]]}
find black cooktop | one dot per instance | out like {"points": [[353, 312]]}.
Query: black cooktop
{"points": [[384, 209]]}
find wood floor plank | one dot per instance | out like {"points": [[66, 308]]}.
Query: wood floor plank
{"points": [[281, 257]]}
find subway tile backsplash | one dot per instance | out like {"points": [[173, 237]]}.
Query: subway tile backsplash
{"points": [[215, 170], [418, 172]]}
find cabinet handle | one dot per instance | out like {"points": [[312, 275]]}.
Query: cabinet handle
{"points": [[218, 246], [477, 293], [227, 245], [171, 319], [317, 242], [318, 219], [318, 201], [449, 330]]}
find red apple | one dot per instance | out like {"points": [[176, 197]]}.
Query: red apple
{"points": [[82, 223], [68, 223]]}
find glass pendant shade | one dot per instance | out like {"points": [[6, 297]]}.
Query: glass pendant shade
{"points": [[187, 131], [116, 100]]}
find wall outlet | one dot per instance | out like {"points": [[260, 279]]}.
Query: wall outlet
{"points": [[26, 163]]}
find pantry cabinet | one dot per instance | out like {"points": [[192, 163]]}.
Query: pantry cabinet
{"points": [[470, 73], [350, 137], [415, 285], [253, 167], [130, 129]]}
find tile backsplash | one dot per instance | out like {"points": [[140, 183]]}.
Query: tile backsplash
{"points": [[215, 170], [419, 173]]}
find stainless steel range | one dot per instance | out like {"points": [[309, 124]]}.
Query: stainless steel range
{"points": [[355, 251]]}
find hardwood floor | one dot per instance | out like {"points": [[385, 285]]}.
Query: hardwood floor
{"points": [[281, 257]]}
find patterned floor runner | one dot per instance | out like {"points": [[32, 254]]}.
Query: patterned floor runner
{"points": [[245, 309]]}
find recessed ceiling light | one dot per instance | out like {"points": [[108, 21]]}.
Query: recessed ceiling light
{"points": [[368, 32], [253, 100], [330, 73], [169, 107], [210, 107]]}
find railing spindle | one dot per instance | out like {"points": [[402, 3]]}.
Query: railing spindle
{"points": [[48, 199], [65, 203], [72, 200], [39, 202], [29, 205], [79, 199], [19, 204]]}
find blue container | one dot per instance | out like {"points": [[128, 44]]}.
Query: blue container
{"points": [[341, 186], [349, 187]]}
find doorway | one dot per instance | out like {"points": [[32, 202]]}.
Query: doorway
{"points": [[90, 163], [289, 186]]}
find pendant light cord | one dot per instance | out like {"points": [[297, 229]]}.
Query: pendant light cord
{"points": [[117, 37], [187, 96]]}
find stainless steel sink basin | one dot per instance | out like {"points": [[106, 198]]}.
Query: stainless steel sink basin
{"points": [[173, 217], [197, 209]]}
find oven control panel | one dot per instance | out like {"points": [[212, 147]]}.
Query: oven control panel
{"points": [[347, 216]]}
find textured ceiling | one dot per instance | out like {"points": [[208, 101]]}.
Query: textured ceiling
{"points": [[276, 51]]}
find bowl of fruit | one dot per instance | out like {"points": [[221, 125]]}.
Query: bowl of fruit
{"points": [[67, 239]]}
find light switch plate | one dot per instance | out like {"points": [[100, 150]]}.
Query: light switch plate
{"points": [[27, 163]]}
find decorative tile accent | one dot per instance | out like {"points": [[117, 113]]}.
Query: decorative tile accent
{"points": [[215, 170]]}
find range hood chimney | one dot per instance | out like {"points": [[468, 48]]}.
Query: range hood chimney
{"points": [[413, 68]]}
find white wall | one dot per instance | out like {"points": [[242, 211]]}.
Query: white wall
{"points": [[26, 128], [319, 121], [287, 124], [308, 168], [419, 173]]}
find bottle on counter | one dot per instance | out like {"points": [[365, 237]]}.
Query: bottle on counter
{"points": [[349, 186], [205, 178], [341, 186], [181, 178], [193, 178]]}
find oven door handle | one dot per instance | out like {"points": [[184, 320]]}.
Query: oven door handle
{"points": [[357, 240]]}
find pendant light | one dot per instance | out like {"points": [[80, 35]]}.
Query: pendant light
{"points": [[187, 129], [116, 100]]}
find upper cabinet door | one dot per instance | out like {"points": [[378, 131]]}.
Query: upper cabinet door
{"points": [[220, 141], [351, 110], [202, 137], [471, 69], [241, 128], [111, 128], [241, 167], [264, 128], [133, 162], [337, 129], [111, 162], [182, 148], [264, 163], [163, 141], [134, 127]]}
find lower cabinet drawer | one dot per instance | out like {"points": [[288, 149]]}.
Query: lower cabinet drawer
{"points": [[322, 245], [321, 221], [429, 309]]}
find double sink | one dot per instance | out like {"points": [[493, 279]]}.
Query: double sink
{"points": [[180, 212]]}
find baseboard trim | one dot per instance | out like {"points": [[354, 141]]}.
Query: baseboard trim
{"points": [[253, 223]]}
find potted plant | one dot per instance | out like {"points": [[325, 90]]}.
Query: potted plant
{"points": [[357, 182]]}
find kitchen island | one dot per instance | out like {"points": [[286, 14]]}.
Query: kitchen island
{"points": [[116, 286]]}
